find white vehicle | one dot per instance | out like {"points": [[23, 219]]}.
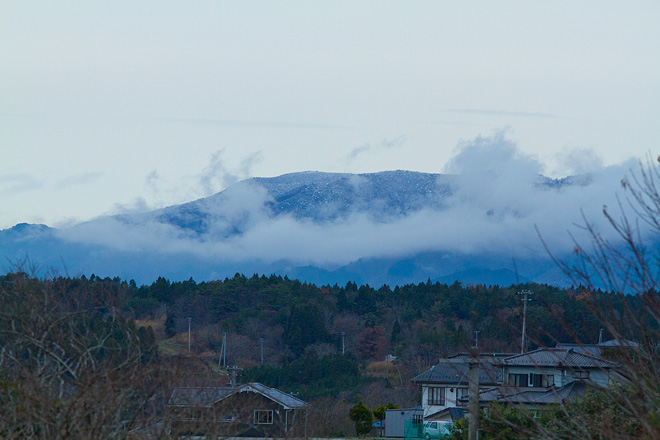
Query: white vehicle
{"points": [[434, 430]]}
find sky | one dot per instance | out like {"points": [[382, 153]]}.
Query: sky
{"points": [[111, 107]]}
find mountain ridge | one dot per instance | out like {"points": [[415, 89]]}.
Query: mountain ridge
{"points": [[186, 238]]}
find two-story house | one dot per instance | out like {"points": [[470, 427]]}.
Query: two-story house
{"points": [[534, 379], [446, 383]]}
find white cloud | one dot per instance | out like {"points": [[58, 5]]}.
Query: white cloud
{"points": [[494, 209]]}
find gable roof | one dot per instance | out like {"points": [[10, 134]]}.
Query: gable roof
{"points": [[205, 397], [557, 357], [454, 413], [455, 372]]}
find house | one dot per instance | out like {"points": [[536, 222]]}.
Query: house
{"points": [[446, 383], [248, 410], [534, 379], [556, 367]]}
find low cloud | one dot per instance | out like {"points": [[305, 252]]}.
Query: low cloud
{"points": [[79, 179], [498, 200], [488, 112], [18, 183], [385, 144]]}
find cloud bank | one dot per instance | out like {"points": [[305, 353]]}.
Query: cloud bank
{"points": [[498, 201]]}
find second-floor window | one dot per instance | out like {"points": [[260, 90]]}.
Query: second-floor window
{"points": [[542, 380], [460, 393], [436, 396], [518, 380]]}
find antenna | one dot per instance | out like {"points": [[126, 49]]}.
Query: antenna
{"points": [[525, 299], [189, 321]]}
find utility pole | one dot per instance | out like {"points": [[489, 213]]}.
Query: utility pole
{"points": [[189, 321], [234, 379], [224, 349], [525, 299], [261, 341], [476, 338], [343, 334], [600, 336], [473, 396]]}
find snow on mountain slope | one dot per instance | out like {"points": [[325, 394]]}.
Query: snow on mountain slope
{"points": [[389, 227]]}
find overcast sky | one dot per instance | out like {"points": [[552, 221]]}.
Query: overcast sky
{"points": [[113, 106]]}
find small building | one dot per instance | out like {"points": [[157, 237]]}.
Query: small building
{"points": [[396, 419], [248, 410]]}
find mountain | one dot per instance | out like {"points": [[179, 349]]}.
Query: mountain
{"points": [[392, 227]]}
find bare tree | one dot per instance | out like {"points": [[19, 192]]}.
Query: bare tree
{"points": [[70, 365], [618, 278]]}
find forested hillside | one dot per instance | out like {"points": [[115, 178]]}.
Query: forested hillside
{"points": [[415, 323], [67, 340]]}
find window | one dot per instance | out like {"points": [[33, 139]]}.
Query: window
{"points": [[263, 417], [542, 380], [436, 396], [460, 393], [581, 374], [417, 419], [518, 380]]}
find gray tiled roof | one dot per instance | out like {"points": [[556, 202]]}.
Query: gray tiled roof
{"points": [[455, 372], [619, 343], [455, 413], [207, 396], [590, 349], [576, 388], [284, 399], [557, 357], [515, 395], [197, 396]]}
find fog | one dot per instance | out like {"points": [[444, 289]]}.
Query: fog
{"points": [[497, 207]]}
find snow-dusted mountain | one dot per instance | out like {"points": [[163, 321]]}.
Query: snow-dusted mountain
{"points": [[390, 227]]}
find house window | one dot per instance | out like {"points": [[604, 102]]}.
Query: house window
{"points": [[460, 393], [263, 417], [581, 374], [417, 419], [518, 380], [436, 396], [542, 380]]}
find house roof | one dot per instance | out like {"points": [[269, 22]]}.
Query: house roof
{"points": [[207, 396], [197, 396], [619, 343], [590, 349], [515, 395], [454, 414], [455, 371], [557, 357]]}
